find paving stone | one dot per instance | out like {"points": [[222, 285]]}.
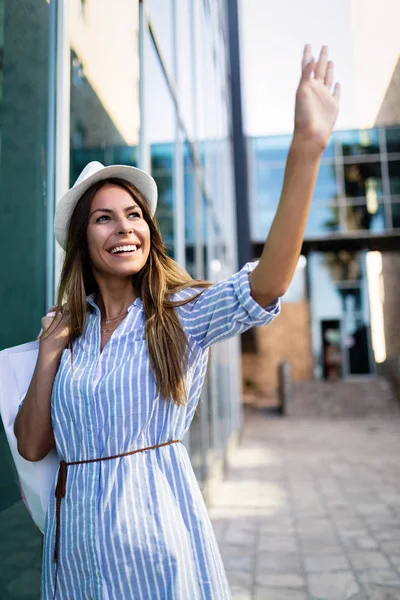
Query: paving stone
{"points": [[395, 560], [388, 534], [236, 559], [274, 562], [242, 579], [280, 527], [333, 586], [373, 592], [391, 546], [240, 537], [283, 580], [379, 576], [319, 544], [279, 594], [336, 516], [360, 542], [277, 543], [368, 559], [328, 563]]}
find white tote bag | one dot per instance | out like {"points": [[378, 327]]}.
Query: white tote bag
{"points": [[36, 478]]}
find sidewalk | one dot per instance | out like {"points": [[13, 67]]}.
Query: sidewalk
{"points": [[310, 510]]}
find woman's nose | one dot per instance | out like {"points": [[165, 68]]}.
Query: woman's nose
{"points": [[125, 227]]}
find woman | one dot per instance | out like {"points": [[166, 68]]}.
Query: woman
{"points": [[120, 370]]}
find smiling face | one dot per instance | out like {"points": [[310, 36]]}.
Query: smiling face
{"points": [[117, 221]]}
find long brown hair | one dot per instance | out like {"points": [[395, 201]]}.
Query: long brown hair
{"points": [[167, 344]]}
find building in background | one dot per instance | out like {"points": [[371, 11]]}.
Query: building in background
{"points": [[350, 258], [120, 81]]}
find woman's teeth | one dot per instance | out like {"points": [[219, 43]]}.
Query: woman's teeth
{"points": [[122, 249]]}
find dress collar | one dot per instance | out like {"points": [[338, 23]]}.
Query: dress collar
{"points": [[91, 301]]}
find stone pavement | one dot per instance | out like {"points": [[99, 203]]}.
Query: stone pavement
{"points": [[310, 510]]}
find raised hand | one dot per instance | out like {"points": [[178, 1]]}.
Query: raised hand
{"points": [[317, 106]]}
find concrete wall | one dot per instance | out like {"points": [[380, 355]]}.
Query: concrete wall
{"points": [[391, 303], [389, 112]]}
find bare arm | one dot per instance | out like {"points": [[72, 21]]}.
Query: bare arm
{"points": [[315, 115], [33, 427]]}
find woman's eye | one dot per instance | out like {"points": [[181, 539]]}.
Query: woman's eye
{"points": [[107, 217]]}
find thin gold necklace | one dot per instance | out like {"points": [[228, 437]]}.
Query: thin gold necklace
{"points": [[103, 331], [115, 318]]}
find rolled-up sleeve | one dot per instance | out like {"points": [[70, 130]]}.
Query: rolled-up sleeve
{"points": [[226, 309]]}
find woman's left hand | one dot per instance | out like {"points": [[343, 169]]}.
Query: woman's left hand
{"points": [[316, 106]]}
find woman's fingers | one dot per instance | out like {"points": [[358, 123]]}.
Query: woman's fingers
{"points": [[329, 75], [320, 69], [336, 91], [307, 55]]}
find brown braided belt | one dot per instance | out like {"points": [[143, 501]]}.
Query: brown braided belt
{"points": [[61, 485]]}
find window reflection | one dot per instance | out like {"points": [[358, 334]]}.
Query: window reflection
{"points": [[104, 118], [190, 210], [161, 19], [394, 177], [340, 310], [24, 91], [393, 139], [363, 180], [358, 142], [268, 183], [364, 216], [396, 214], [323, 219], [160, 132], [326, 186], [276, 148]]}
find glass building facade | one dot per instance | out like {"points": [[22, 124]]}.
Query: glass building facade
{"points": [[356, 197], [123, 82], [357, 189]]}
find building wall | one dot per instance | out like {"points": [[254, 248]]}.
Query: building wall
{"points": [[388, 115], [391, 302], [287, 338], [389, 112]]}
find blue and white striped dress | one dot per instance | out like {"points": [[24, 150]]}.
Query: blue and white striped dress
{"points": [[137, 527]]}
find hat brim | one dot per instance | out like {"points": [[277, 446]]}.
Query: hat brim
{"points": [[65, 207]]}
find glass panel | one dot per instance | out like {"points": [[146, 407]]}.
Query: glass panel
{"points": [[365, 216], [184, 60], [363, 180], [160, 133], [161, 18], [356, 333], [268, 185], [275, 148], [323, 219], [24, 36], [271, 148], [358, 142], [104, 86], [325, 187], [190, 211], [261, 221], [396, 214], [340, 313], [394, 177], [393, 139]]}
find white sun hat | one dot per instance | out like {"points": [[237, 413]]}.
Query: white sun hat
{"points": [[92, 173]]}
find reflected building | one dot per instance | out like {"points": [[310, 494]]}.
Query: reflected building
{"points": [[124, 82], [354, 214]]}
